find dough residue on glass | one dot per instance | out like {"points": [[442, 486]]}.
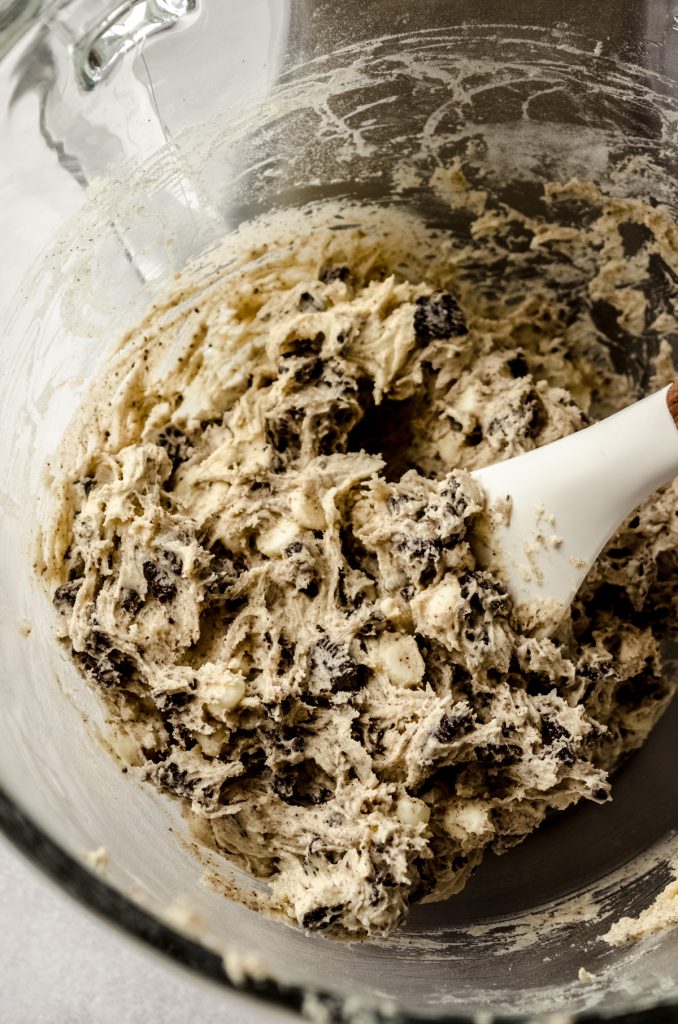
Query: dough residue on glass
{"points": [[661, 914], [262, 554]]}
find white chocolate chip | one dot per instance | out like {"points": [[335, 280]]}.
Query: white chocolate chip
{"points": [[436, 606], [232, 692], [468, 818], [411, 811], [467, 402], [219, 689], [400, 658], [307, 510], [212, 743], [389, 609], [273, 541]]}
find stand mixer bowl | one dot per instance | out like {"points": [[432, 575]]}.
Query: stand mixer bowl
{"points": [[133, 137]]}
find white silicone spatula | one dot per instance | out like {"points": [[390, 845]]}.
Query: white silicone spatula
{"points": [[566, 499]]}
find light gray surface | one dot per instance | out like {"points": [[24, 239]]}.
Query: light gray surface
{"points": [[61, 965]]}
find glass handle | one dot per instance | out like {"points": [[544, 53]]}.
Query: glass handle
{"points": [[123, 29]]}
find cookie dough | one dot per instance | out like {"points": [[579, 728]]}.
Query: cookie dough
{"points": [[262, 556]]}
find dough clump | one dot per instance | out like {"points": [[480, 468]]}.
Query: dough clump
{"points": [[262, 557]]}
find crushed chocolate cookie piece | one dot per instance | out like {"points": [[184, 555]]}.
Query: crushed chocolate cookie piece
{"points": [[438, 316], [634, 237], [176, 444], [303, 785], [321, 917], [308, 302], [174, 779], [304, 347], [333, 668], [104, 663], [160, 582], [329, 274], [130, 600], [67, 593], [517, 366], [454, 725], [283, 432]]}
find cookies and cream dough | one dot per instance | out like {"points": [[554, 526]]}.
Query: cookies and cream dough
{"points": [[262, 551]]}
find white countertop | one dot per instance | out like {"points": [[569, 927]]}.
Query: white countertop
{"points": [[62, 965]]}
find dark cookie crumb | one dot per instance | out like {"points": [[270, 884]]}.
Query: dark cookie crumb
{"points": [[67, 593], [308, 303], [328, 274], [104, 663], [304, 347], [175, 780], [176, 444], [321, 917], [333, 668], [159, 581], [517, 366], [454, 725], [130, 600], [438, 316]]}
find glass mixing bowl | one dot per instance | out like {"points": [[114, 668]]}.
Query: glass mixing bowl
{"points": [[132, 138]]}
